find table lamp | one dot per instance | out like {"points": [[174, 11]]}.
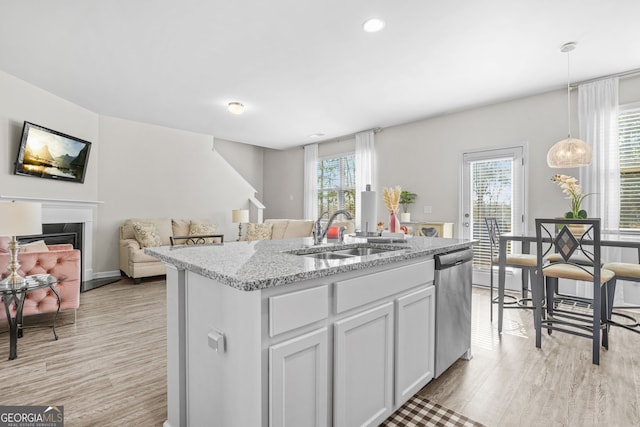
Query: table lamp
{"points": [[239, 216], [18, 219]]}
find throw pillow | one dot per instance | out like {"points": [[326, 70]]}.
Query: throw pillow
{"points": [[146, 234], [202, 228], [37, 246], [259, 231]]}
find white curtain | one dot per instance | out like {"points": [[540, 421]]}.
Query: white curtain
{"points": [[365, 164], [598, 119], [311, 181]]}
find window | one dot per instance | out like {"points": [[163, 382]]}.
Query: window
{"points": [[337, 184], [629, 148], [491, 197]]}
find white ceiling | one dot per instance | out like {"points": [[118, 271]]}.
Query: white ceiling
{"points": [[303, 67]]}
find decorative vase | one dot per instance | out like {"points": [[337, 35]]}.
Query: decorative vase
{"points": [[394, 224], [405, 217]]}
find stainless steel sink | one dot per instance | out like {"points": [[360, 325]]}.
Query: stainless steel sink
{"points": [[362, 251], [327, 255], [340, 252]]}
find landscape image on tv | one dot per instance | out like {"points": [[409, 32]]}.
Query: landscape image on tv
{"points": [[51, 154]]}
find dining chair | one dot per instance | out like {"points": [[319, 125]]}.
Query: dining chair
{"points": [[428, 232], [525, 262], [631, 272], [585, 317], [197, 239]]}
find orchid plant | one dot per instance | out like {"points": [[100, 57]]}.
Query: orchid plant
{"points": [[571, 188]]}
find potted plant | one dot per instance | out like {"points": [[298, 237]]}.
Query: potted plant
{"points": [[573, 190], [406, 198]]}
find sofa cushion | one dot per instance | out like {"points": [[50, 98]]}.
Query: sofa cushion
{"points": [[279, 227], [180, 227], [140, 256], [163, 226], [202, 228], [259, 231], [146, 234], [37, 246], [298, 228]]}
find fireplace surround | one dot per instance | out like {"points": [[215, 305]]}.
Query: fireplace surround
{"points": [[71, 217]]}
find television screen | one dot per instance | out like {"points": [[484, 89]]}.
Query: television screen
{"points": [[47, 153]]}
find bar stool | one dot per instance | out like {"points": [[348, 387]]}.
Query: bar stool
{"points": [[631, 272], [525, 262], [554, 236]]}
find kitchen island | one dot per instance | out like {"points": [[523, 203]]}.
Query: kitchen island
{"points": [[282, 332]]}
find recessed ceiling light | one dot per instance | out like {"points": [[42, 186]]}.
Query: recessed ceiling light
{"points": [[235, 107], [373, 25], [317, 135]]}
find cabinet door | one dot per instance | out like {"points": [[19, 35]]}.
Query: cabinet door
{"points": [[415, 339], [298, 377], [363, 367]]}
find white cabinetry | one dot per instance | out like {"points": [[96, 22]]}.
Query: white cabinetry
{"points": [[298, 381], [344, 350], [415, 342], [363, 370]]}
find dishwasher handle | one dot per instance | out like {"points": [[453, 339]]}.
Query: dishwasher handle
{"points": [[451, 259]]}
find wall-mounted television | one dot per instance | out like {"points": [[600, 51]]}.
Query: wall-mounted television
{"points": [[51, 154]]}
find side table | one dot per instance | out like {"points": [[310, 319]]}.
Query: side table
{"points": [[15, 295]]}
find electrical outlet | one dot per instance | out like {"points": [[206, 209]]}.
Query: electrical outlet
{"points": [[428, 209]]}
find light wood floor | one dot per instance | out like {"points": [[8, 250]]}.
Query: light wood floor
{"points": [[509, 382], [109, 368]]}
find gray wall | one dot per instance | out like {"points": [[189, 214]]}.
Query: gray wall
{"points": [[425, 156]]}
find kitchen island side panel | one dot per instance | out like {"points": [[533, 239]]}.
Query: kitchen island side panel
{"points": [[224, 387]]}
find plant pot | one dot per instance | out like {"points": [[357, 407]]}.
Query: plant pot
{"points": [[405, 217]]}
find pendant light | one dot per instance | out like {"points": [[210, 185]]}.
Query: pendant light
{"points": [[570, 152]]}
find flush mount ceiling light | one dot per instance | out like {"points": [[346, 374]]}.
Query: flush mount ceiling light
{"points": [[570, 152], [235, 107], [317, 135], [373, 25]]}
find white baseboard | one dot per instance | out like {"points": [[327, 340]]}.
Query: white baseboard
{"points": [[104, 274]]}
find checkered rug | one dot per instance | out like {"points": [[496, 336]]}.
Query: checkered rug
{"points": [[419, 412]]}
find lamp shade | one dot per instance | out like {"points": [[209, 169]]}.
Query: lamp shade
{"points": [[20, 218], [569, 153], [240, 215]]}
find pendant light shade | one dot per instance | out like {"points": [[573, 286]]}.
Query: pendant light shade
{"points": [[570, 152]]}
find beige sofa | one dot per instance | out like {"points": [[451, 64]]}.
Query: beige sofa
{"points": [[276, 229], [134, 262]]}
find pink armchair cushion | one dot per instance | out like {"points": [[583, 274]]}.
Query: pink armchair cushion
{"points": [[4, 245], [60, 261]]}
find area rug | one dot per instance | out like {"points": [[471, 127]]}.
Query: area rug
{"points": [[419, 412]]}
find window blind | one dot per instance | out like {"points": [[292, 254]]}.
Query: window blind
{"points": [[629, 148], [491, 197]]}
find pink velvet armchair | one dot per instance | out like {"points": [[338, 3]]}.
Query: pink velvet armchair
{"points": [[60, 261]]}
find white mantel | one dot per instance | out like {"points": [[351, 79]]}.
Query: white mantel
{"points": [[56, 211]]}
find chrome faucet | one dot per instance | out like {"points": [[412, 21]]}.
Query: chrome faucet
{"points": [[318, 233]]}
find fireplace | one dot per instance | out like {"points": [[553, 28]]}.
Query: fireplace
{"points": [[65, 221], [58, 234]]}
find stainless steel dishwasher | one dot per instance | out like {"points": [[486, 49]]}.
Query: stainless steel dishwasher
{"points": [[453, 308]]}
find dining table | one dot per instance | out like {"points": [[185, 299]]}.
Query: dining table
{"points": [[617, 240]]}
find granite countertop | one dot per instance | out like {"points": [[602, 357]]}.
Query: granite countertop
{"points": [[261, 264]]}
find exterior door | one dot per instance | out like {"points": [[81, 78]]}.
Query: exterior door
{"points": [[493, 185]]}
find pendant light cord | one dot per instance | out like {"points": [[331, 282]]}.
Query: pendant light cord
{"points": [[569, 95]]}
